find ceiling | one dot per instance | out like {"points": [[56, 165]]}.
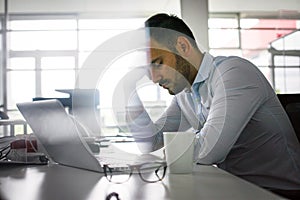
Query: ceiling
{"points": [[258, 8], [137, 8], [99, 7]]}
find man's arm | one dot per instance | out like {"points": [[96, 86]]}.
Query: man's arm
{"points": [[238, 91], [144, 129], [126, 102]]}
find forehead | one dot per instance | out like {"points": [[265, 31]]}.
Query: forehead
{"points": [[158, 50]]}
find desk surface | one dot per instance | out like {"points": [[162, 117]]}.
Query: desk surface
{"points": [[56, 182]]}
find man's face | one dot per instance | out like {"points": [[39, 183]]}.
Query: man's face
{"points": [[168, 69]]}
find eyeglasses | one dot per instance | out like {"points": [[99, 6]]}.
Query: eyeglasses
{"points": [[148, 172]]}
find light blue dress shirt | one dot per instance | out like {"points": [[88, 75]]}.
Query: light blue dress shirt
{"points": [[241, 124]]}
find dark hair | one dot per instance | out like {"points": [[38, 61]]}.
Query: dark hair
{"points": [[167, 28]]}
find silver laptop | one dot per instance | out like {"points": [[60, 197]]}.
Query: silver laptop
{"points": [[62, 139]]}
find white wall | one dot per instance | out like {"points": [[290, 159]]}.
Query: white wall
{"points": [[106, 8], [253, 5], [144, 7], [195, 14]]}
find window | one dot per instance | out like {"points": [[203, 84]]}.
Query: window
{"points": [[92, 33], [250, 37], [47, 53], [41, 51], [285, 63]]}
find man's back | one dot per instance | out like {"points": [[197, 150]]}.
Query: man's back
{"points": [[267, 152], [247, 131]]}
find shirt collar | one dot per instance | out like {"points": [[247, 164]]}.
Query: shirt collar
{"points": [[204, 71]]}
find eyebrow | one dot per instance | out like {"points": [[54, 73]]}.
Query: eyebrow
{"points": [[156, 59]]}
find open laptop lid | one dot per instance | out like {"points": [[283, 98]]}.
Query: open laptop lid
{"points": [[58, 134]]}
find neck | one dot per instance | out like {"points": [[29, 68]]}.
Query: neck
{"points": [[195, 60]]}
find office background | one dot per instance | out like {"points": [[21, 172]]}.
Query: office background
{"points": [[44, 43]]}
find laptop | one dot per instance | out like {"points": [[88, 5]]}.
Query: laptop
{"points": [[63, 140]]}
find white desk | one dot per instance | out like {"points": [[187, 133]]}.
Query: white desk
{"points": [[56, 182]]}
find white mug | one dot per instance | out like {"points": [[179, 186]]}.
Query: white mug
{"points": [[179, 150]]}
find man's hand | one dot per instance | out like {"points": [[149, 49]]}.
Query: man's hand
{"points": [[126, 102], [131, 81]]}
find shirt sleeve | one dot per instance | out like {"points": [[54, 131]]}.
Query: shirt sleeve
{"points": [[237, 92], [145, 130]]}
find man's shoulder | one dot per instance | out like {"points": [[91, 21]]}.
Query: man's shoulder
{"points": [[234, 64], [226, 60]]}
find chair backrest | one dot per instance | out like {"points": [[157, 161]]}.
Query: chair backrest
{"points": [[293, 111], [3, 115], [291, 104]]}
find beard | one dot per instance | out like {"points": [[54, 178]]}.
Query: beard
{"points": [[183, 69]]}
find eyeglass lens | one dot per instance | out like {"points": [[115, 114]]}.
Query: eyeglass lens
{"points": [[118, 175], [150, 172]]}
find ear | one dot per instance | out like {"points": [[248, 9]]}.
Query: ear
{"points": [[183, 46]]}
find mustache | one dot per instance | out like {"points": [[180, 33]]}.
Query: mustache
{"points": [[162, 82]]}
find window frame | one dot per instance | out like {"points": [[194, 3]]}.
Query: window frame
{"points": [[239, 17]]}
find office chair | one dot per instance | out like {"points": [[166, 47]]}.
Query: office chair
{"points": [[291, 104], [3, 115], [293, 111], [5, 121]]}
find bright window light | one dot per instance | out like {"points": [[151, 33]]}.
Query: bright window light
{"points": [[58, 62], [67, 24], [22, 63], [43, 40]]}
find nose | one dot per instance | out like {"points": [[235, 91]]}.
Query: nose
{"points": [[155, 75]]}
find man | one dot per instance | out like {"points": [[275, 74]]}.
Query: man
{"points": [[240, 123]]}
